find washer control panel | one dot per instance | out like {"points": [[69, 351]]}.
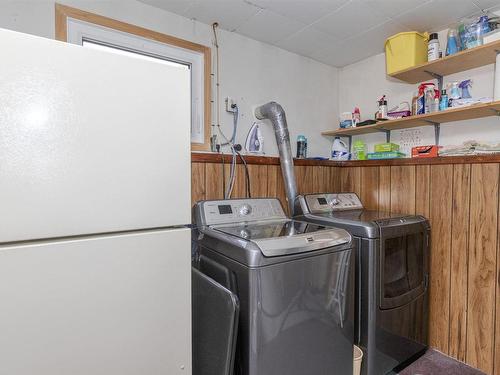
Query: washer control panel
{"points": [[241, 210], [332, 202]]}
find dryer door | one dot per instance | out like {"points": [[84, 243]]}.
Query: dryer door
{"points": [[403, 262]]}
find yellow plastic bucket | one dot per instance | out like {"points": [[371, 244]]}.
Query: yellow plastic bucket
{"points": [[405, 50], [358, 357]]}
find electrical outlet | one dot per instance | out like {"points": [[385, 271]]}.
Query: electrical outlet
{"points": [[407, 139], [230, 104]]}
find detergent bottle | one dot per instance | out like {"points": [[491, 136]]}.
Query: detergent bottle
{"points": [[340, 150]]}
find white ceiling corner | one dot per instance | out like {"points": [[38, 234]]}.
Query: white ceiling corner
{"points": [[335, 32]]}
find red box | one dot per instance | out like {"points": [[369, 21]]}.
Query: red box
{"points": [[424, 151]]}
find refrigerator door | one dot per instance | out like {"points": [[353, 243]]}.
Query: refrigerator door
{"points": [[90, 141], [111, 305]]}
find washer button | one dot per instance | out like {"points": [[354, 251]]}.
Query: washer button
{"points": [[245, 210]]}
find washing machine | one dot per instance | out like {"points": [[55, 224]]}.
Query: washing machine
{"points": [[392, 276], [294, 281]]}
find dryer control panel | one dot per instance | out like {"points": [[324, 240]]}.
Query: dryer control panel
{"points": [[317, 203], [230, 211]]}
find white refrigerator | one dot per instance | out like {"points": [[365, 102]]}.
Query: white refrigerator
{"points": [[94, 190]]}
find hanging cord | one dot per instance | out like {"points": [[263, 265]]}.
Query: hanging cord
{"points": [[230, 141], [223, 175], [247, 175], [232, 175], [227, 142], [227, 188], [235, 127], [217, 88]]}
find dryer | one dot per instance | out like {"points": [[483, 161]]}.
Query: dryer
{"points": [[392, 276], [294, 281]]}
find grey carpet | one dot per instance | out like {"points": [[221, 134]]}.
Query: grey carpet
{"points": [[434, 362]]}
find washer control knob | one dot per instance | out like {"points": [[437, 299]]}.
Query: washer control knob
{"points": [[245, 210], [335, 202]]}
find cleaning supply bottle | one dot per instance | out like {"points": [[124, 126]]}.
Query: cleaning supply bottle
{"points": [[433, 47], [382, 109], [452, 42], [443, 103], [454, 93], [339, 150], [421, 97], [301, 147], [464, 86], [356, 116], [414, 101], [437, 97], [429, 98]]}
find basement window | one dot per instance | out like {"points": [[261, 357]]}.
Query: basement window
{"points": [[97, 32]]}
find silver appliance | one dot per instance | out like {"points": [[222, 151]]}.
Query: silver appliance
{"points": [[254, 142], [392, 271], [294, 281]]}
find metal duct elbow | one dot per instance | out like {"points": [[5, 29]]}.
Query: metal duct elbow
{"points": [[274, 112]]}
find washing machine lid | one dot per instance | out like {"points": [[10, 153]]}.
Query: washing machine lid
{"points": [[363, 216], [345, 210], [284, 237]]}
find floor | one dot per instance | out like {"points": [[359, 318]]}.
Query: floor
{"points": [[434, 362]]}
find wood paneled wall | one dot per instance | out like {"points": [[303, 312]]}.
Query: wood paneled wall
{"points": [[462, 204]]}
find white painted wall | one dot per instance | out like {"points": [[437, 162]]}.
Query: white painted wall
{"points": [[250, 71], [361, 84]]}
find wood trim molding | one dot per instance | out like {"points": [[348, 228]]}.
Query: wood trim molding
{"points": [[63, 12], [209, 157]]}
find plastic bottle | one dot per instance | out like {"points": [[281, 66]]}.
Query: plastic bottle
{"points": [[437, 97], [464, 86], [421, 99], [382, 108], [301, 147], [414, 105], [429, 98], [339, 150], [356, 117], [452, 42], [454, 93], [433, 47], [443, 104]]}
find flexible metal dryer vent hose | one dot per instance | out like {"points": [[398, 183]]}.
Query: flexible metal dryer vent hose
{"points": [[274, 112]]}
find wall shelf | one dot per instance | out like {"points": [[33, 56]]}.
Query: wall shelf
{"points": [[465, 60], [430, 119]]}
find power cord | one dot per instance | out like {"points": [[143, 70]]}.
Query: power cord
{"points": [[247, 175]]}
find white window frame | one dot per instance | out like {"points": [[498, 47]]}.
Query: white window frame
{"points": [[79, 31]]}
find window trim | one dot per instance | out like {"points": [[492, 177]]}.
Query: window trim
{"points": [[63, 12]]}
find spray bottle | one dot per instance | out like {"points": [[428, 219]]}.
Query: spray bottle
{"points": [[464, 86], [454, 92]]}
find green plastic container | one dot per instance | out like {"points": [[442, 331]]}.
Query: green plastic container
{"points": [[385, 155], [386, 147]]}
